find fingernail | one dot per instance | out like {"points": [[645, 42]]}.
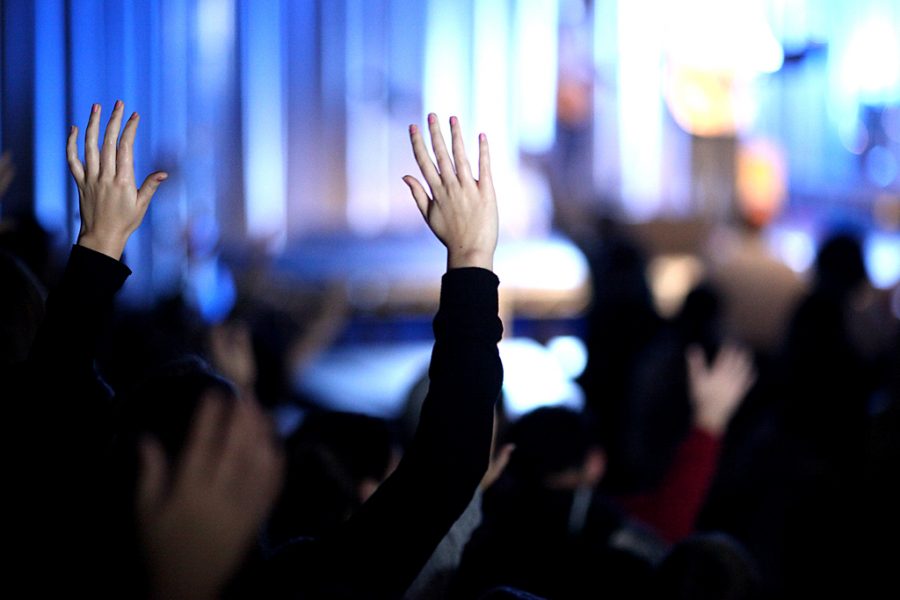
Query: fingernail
{"points": [[412, 130], [95, 108], [118, 104], [453, 120], [482, 137], [134, 115], [162, 176], [432, 118], [71, 129]]}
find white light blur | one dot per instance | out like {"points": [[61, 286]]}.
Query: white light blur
{"points": [[368, 144], [672, 277], [795, 248], [263, 123], [552, 264], [445, 89], [882, 257], [215, 34], [571, 354], [532, 378], [854, 136], [537, 32], [640, 28], [870, 64], [730, 36]]}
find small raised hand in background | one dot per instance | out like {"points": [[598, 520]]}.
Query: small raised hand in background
{"points": [[717, 389], [112, 207], [461, 210], [198, 519]]}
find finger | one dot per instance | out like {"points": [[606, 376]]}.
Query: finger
{"points": [[419, 195], [91, 153], [149, 187], [484, 163], [463, 171], [204, 439], [238, 454], [110, 140], [125, 155], [75, 166], [696, 362], [445, 165], [429, 171], [734, 359], [152, 482], [268, 466]]}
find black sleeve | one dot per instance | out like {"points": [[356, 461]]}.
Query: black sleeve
{"points": [[59, 377], [57, 427], [380, 550]]}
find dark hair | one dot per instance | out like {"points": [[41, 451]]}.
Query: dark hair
{"points": [[329, 456], [839, 263], [711, 566], [548, 440], [163, 404]]}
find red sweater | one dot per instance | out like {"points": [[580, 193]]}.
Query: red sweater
{"points": [[672, 507]]}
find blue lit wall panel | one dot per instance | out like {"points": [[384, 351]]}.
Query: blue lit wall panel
{"points": [[18, 100], [51, 128], [262, 108]]}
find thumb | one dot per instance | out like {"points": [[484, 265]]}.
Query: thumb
{"points": [[152, 481], [150, 185]]}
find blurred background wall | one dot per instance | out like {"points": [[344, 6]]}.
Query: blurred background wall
{"points": [[285, 120]]}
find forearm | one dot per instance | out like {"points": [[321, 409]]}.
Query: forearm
{"points": [[385, 544], [672, 508], [456, 422]]}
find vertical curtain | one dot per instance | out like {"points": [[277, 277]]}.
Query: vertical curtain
{"points": [[276, 119]]}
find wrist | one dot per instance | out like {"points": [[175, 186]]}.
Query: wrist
{"points": [[459, 259], [711, 425], [110, 245]]}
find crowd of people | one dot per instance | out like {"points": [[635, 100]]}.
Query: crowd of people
{"points": [[144, 461]]}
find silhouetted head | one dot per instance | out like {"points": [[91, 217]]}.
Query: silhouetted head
{"points": [[698, 322], [839, 264], [551, 442], [710, 566], [163, 404], [336, 461], [361, 444]]}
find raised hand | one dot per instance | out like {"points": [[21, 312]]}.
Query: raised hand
{"points": [[231, 350], [716, 390], [197, 523], [461, 211], [112, 207]]}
